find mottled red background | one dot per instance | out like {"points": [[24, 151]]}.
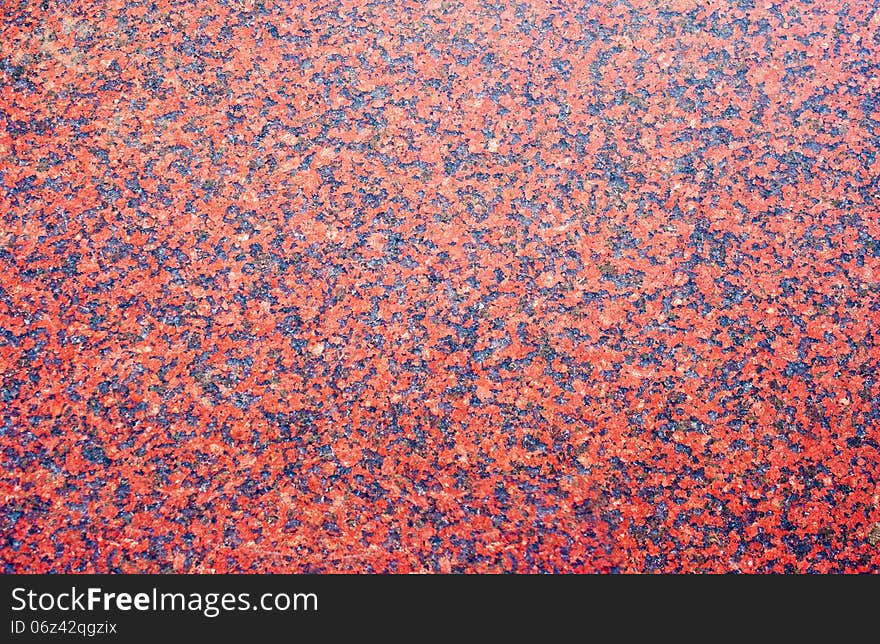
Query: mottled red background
{"points": [[441, 286]]}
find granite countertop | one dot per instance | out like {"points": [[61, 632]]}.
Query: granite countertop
{"points": [[349, 286]]}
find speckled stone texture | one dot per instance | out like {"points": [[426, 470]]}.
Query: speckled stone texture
{"points": [[440, 286]]}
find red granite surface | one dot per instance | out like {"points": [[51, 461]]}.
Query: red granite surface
{"points": [[440, 286]]}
